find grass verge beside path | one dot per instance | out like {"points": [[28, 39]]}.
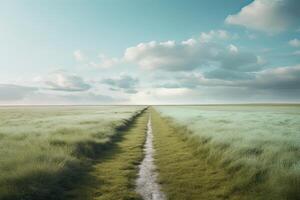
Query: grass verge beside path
{"points": [[45, 150], [113, 175], [183, 175]]}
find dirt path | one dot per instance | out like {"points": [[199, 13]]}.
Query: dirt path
{"points": [[147, 185], [113, 176]]}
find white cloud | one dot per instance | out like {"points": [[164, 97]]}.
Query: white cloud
{"points": [[216, 35], [165, 55], [189, 55], [78, 55], [269, 16], [63, 81], [295, 42], [169, 43], [233, 49], [189, 42]]}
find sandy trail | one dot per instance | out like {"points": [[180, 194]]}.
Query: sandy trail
{"points": [[147, 185]]}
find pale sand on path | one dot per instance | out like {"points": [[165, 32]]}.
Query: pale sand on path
{"points": [[146, 184]]}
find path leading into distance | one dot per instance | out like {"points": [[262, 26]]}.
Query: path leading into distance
{"points": [[147, 185]]}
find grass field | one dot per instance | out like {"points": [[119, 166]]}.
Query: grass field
{"points": [[215, 152], [254, 149], [45, 150]]}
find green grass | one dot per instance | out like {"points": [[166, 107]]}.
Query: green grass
{"points": [[183, 175], [255, 150], [113, 175], [201, 152], [45, 150]]}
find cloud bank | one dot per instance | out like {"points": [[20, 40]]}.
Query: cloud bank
{"points": [[208, 68], [189, 55], [63, 81], [278, 78]]}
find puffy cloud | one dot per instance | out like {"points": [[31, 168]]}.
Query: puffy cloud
{"points": [[295, 42], [269, 16], [216, 35], [189, 42], [233, 49], [125, 83], [10, 92], [63, 81], [189, 55], [163, 55], [78, 55]]}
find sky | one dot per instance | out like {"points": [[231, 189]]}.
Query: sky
{"points": [[149, 52]]}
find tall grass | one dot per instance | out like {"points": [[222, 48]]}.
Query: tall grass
{"points": [[43, 150], [258, 145]]}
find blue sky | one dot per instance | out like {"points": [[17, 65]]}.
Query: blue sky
{"points": [[149, 51]]}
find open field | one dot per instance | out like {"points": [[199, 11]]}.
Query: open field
{"points": [[44, 150], [253, 151], [200, 152]]}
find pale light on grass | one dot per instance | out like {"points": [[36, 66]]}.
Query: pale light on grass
{"points": [[258, 145]]}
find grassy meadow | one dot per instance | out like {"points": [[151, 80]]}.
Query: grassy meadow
{"points": [[45, 150], [237, 152], [254, 148]]}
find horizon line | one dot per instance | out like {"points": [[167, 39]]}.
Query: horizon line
{"points": [[200, 104]]}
